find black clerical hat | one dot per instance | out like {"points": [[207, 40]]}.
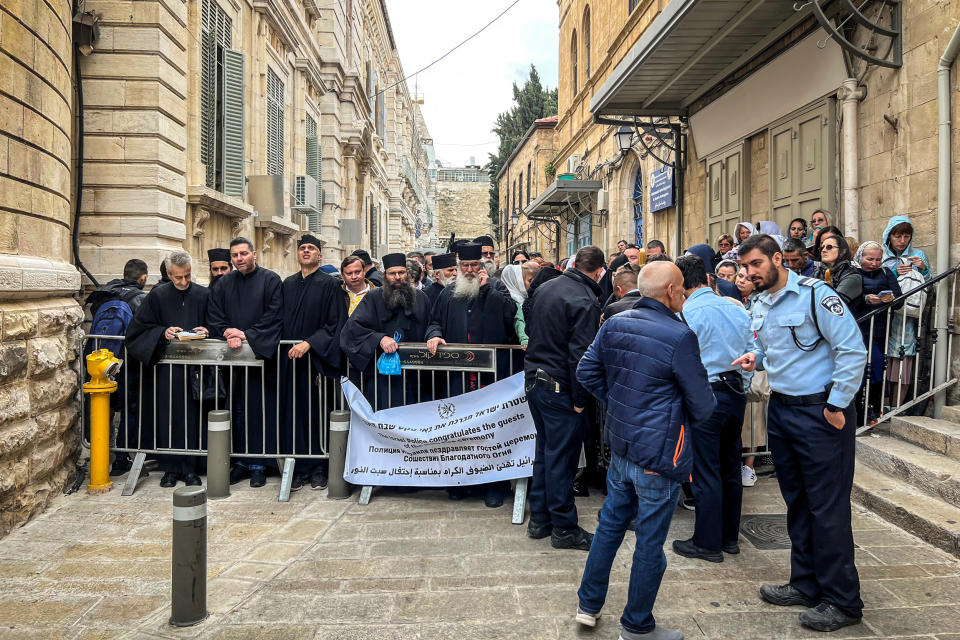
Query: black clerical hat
{"points": [[444, 260], [363, 255], [394, 260], [218, 255], [309, 239], [485, 241], [469, 251]]}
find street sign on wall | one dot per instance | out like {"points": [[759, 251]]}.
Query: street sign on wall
{"points": [[661, 189]]}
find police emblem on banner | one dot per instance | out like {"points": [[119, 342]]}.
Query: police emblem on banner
{"points": [[833, 304], [446, 410]]}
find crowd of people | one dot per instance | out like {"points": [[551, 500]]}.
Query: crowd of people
{"points": [[686, 360]]}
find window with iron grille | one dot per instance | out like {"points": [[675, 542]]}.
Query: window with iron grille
{"points": [[529, 172], [222, 88], [520, 191], [573, 62], [586, 43], [274, 124]]}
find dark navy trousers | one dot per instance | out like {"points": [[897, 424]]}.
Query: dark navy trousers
{"points": [[560, 433], [717, 484], [814, 463]]}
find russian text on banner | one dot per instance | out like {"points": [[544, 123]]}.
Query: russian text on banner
{"points": [[478, 437]]}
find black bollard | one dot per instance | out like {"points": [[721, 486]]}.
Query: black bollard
{"points": [[218, 454], [188, 592], [337, 487]]}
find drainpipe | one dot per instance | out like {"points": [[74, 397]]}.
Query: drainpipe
{"points": [[945, 166], [850, 95]]}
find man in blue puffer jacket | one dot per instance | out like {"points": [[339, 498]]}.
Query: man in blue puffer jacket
{"points": [[645, 365]]}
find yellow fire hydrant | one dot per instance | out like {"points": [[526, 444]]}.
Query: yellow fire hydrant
{"points": [[102, 366]]}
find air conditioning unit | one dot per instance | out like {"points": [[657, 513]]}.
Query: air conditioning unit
{"points": [[305, 193], [574, 162], [603, 200]]}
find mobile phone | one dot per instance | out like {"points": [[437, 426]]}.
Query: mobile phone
{"points": [[885, 293]]}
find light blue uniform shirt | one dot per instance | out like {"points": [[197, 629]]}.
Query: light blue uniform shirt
{"points": [[722, 327], [839, 357]]}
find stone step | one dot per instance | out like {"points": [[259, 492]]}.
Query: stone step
{"points": [[951, 413], [931, 519], [940, 436], [936, 475]]}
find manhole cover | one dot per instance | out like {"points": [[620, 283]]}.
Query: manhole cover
{"points": [[766, 531]]}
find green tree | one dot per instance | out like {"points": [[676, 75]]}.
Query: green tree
{"points": [[532, 101]]}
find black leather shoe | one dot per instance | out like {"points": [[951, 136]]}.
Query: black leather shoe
{"points": [[571, 539], [318, 480], [539, 530], [258, 478], [826, 617], [192, 480], [297, 482], [785, 595], [121, 464], [238, 473], [688, 549], [493, 498], [580, 489], [456, 493], [733, 548], [169, 479]]}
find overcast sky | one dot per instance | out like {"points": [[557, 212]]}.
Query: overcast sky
{"points": [[464, 92]]}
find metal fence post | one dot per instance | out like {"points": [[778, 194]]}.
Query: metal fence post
{"points": [[218, 454], [337, 487], [188, 592]]}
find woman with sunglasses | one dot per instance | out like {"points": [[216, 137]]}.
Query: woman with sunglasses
{"points": [[833, 253]]}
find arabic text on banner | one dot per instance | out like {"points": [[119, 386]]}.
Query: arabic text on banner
{"points": [[478, 437]]}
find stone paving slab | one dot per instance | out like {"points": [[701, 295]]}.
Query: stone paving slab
{"points": [[416, 566]]}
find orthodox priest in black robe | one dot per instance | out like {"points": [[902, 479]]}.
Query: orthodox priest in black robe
{"points": [[388, 315], [175, 420], [220, 266], [313, 315], [444, 275], [473, 312], [247, 305]]}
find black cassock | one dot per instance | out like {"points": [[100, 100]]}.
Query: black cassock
{"points": [[486, 319], [433, 291], [314, 311], [171, 412], [360, 341], [252, 303]]}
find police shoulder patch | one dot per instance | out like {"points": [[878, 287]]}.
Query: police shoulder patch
{"points": [[833, 304]]}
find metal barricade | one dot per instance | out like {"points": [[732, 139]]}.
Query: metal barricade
{"points": [[280, 408], [909, 351]]}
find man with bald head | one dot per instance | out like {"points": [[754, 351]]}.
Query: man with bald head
{"points": [[645, 366]]}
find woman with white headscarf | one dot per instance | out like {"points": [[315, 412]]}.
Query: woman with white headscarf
{"points": [[512, 277]]}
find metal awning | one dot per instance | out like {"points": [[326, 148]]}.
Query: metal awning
{"points": [[575, 196], [687, 50]]}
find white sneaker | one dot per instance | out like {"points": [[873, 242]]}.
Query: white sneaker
{"points": [[587, 619], [748, 477]]}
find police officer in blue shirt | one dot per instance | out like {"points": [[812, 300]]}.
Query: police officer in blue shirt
{"points": [[801, 325], [723, 331]]}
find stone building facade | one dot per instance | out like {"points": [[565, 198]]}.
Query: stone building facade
{"points": [[463, 196], [211, 119], [764, 138], [39, 313], [524, 175]]}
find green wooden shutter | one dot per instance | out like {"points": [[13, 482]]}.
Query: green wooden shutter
{"points": [[208, 104], [314, 170], [274, 124], [234, 147]]}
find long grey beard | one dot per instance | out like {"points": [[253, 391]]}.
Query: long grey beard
{"points": [[489, 265], [466, 288], [446, 280], [398, 296]]}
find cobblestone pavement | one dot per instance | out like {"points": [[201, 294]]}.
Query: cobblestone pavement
{"points": [[415, 566]]}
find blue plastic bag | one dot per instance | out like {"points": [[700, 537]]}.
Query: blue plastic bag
{"points": [[388, 364]]}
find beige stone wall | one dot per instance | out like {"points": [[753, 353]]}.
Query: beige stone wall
{"points": [[39, 317], [462, 209], [531, 157]]}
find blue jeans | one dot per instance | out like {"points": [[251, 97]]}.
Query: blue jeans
{"points": [[652, 499]]}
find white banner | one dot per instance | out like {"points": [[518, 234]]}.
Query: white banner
{"points": [[478, 437]]}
